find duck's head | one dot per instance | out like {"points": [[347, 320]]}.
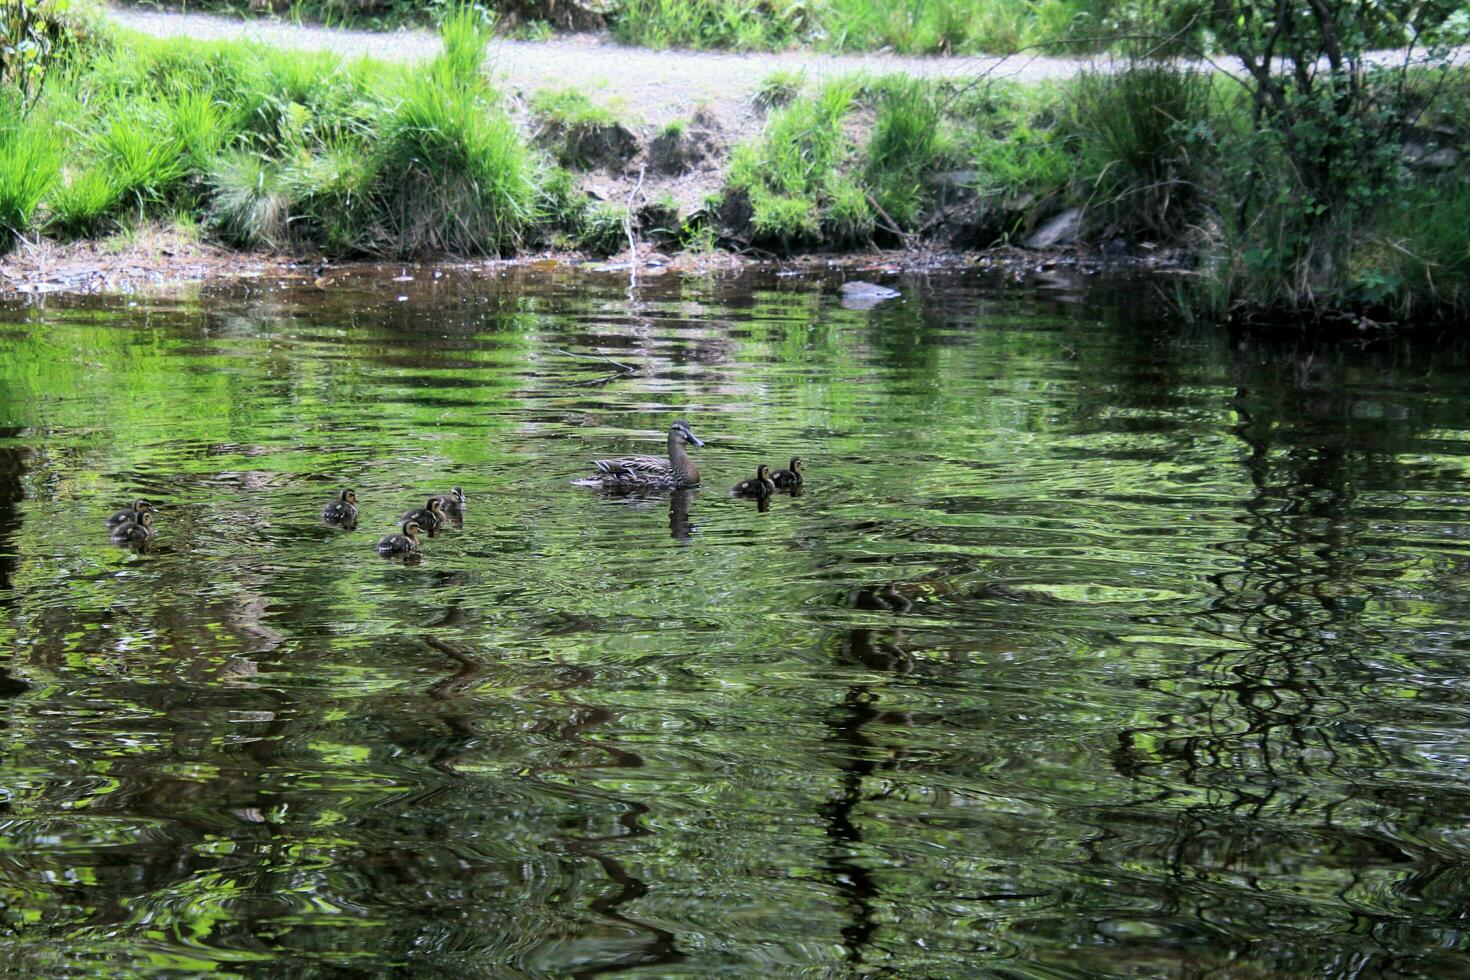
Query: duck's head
{"points": [[435, 505], [763, 473], [411, 529], [680, 431], [796, 464], [142, 506], [145, 519], [458, 495], [349, 496]]}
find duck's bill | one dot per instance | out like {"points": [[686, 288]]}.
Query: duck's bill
{"points": [[694, 438]]}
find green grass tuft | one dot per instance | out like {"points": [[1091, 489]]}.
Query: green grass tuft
{"points": [[569, 107], [84, 205], [142, 163], [452, 174], [249, 206], [908, 142], [1144, 131], [780, 88], [604, 229], [30, 163]]}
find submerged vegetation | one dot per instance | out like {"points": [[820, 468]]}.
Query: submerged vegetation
{"points": [[1296, 195]]}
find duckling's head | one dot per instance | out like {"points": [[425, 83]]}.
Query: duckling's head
{"points": [[796, 464], [763, 472], [458, 495], [436, 506], [349, 496], [145, 519], [142, 506], [681, 432], [411, 529]]}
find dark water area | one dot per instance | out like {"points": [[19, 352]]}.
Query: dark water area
{"points": [[1095, 644]]}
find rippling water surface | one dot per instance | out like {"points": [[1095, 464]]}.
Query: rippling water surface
{"points": [[1095, 645]]}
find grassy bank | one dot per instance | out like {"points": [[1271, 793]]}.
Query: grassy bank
{"points": [[916, 27], [263, 149]]}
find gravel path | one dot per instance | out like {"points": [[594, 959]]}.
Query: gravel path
{"points": [[653, 86]]}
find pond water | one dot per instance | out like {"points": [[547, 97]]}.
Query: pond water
{"points": [[1095, 644]]}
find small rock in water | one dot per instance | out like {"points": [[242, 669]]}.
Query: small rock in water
{"points": [[1061, 230], [862, 295]]}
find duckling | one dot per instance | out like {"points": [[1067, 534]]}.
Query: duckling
{"points": [[453, 501], [136, 531], [761, 486], [406, 543], [129, 514], [631, 473], [343, 510], [789, 479], [430, 517]]}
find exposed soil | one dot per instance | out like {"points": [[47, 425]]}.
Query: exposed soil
{"points": [[147, 260]]}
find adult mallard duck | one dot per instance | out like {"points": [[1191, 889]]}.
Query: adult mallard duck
{"points": [[761, 486], [129, 514], [134, 531], [401, 544], [453, 502], [343, 510], [787, 479], [650, 472], [429, 517]]}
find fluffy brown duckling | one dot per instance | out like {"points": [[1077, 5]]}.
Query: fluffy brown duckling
{"points": [[343, 510], [401, 544], [129, 514], [761, 486], [453, 502], [135, 531], [787, 479], [429, 517]]}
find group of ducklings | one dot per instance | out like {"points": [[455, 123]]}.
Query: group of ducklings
{"points": [[631, 474], [134, 524], [767, 482], [439, 510]]}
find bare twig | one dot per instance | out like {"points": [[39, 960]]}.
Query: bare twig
{"points": [[623, 370], [628, 230]]}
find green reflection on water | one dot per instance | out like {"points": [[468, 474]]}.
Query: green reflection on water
{"points": [[1093, 645]]}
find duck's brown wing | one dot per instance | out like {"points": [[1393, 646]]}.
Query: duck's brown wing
{"points": [[648, 466]]}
